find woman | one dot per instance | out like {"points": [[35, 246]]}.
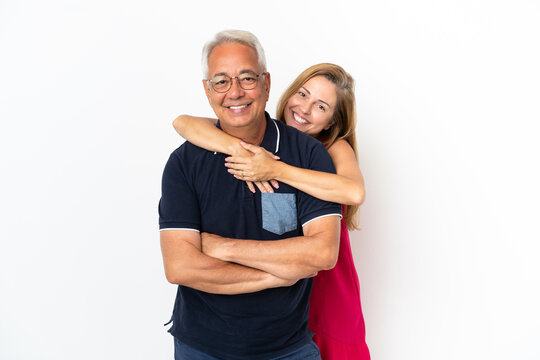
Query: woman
{"points": [[321, 103]]}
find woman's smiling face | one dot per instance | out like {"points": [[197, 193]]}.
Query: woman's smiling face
{"points": [[310, 110]]}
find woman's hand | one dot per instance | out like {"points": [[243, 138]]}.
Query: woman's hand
{"points": [[259, 167], [263, 186], [238, 150]]}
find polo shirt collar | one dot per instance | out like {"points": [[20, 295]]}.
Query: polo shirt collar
{"points": [[272, 135]]}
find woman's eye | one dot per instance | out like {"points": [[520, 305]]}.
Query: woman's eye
{"points": [[320, 107], [302, 94]]}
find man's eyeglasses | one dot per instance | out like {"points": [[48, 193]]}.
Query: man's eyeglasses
{"points": [[247, 81]]}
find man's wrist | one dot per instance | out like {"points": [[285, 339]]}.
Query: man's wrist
{"points": [[225, 249]]}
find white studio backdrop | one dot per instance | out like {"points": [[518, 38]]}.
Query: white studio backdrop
{"points": [[447, 96]]}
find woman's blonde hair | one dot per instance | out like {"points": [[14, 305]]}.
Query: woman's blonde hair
{"points": [[343, 119]]}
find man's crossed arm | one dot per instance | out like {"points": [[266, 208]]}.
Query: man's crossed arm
{"points": [[231, 266]]}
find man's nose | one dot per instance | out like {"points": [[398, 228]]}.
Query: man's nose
{"points": [[235, 91]]}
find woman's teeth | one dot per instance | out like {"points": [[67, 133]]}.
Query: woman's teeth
{"points": [[299, 119], [236, 107]]}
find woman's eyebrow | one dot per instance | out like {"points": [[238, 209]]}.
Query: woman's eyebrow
{"points": [[324, 102]]}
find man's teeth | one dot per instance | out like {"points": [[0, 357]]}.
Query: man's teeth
{"points": [[299, 119], [237, 107]]}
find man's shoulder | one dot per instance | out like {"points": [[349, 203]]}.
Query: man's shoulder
{"points": [[187, 159], [189, 151]]}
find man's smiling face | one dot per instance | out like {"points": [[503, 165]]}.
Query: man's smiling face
{"points": [[237, 107]]}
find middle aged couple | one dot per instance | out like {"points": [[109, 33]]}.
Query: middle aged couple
{"points": [[250, 218]]}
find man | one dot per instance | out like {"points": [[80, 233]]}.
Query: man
{"points": [[256, 307]]}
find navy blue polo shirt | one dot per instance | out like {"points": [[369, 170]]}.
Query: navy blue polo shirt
{"points": [[199, 194]]}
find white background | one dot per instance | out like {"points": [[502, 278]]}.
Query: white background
{"points": [[448, 95]]}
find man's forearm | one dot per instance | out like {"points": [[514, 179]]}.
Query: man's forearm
{"points": [[233, 279], [291, 258], [186, 265]]}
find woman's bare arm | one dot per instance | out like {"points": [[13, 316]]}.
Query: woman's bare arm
{"points": [[203, 133], [344, 187]]}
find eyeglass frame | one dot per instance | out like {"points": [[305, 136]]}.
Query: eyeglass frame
{"points": [[238, 80]]}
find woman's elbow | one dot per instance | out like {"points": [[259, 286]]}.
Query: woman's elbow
{"points": [[357, 196], [178, 123]]}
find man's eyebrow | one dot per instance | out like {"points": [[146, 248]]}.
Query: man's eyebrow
{"points": [[246, 71], [324, 102]]}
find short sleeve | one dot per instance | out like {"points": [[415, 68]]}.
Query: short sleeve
{"points": [[178, 206], [309, 207]]}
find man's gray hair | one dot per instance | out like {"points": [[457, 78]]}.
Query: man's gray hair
{"points": [[233, 36]]}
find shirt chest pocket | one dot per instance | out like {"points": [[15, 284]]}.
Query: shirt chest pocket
{"points": [[278, 212]]}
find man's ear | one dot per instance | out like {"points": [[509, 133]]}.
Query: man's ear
{"points": [[206, 89], [267, 85]]}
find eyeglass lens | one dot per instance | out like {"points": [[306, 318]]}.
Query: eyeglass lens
{"points": [[222, 83]]}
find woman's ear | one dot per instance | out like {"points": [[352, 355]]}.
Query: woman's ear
{"points": [[332, 122]]}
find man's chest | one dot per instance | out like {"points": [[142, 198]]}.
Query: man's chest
{"points": [[228, 208]]}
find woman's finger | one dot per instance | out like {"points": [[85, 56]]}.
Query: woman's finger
{"points": [[240, 173], [267, 186], [260, 186], [250, 147], [236, 160], [250, 186], [274, 183], [236, 166]]}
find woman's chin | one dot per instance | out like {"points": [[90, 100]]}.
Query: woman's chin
{"points": [[295, 125]]}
